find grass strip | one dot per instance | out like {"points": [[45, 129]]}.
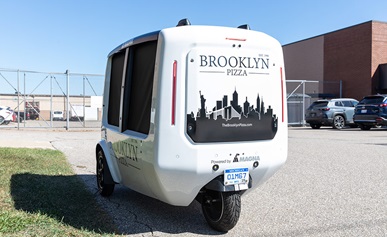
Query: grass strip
{"points": [[41, 196]]}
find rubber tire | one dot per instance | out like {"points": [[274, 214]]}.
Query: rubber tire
{"points": [[338, 122], [365, 127], [222, 209], [103, 188], [1, 120], [315, 126]]}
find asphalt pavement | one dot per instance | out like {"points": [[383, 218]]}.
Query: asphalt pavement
{"points": [[334, 183]]}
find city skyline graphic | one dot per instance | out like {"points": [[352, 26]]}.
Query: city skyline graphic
{"points": [[230, 121]]}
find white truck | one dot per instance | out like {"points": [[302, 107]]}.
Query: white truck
{"points": [[194, 112], [77, 113]]}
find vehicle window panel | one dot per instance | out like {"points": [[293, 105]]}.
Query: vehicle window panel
{"points": [[372, 100], [347, 103], [117, 70], [338, 103], [138, 87], [318, 104]]}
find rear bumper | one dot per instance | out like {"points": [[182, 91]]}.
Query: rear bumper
{"points": [[317, 120], [370, 119]]}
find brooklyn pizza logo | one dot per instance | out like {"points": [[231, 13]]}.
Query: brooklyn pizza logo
{"points": [[234, 65]]}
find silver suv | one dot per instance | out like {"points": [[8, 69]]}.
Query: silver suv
{"points": [[337, 113]]}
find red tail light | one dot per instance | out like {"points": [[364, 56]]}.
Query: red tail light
{"points": [[174, 75], [325, 109], [383, 105]]}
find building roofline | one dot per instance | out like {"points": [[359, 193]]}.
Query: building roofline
{"points": [[317, 36]]}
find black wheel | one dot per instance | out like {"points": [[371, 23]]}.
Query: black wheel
{"points": [[338, 122], [221, 209], [6, 122], [315, 126], [104, 188], [1, 120], [365, 127]]}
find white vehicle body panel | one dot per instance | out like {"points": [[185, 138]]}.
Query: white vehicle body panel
{"points": [[229, 85]]}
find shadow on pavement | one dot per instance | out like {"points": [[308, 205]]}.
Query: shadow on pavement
{"points": [[65, 199]]}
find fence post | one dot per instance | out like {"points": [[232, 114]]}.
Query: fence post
{"points": [[24, 98], [51, 97], [303, 103], [84, 103], [18, 101], [68, 100]]}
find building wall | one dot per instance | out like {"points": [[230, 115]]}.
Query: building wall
{"points": [[379, 53], [304, 60], [350, 55], [48, 104], [347, 57]]}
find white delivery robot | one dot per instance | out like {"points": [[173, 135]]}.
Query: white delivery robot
{"points": [[194, 112]]}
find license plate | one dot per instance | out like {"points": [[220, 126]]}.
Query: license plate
{"points": [[364, 111], [236, 176]]}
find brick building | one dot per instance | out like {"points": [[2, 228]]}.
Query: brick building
{"points": [[355, 56]]}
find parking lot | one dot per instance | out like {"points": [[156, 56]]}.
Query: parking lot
{"points": [[333, 184]]}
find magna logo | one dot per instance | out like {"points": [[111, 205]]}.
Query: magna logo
{"points": [[243, 158]]}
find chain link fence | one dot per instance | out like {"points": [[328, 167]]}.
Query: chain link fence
{"points": [[302, 93], [74, 100], [51, 99]]}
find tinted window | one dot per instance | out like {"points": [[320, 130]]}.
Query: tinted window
{"points": [[138, 87], [117, 70], [318, 104], [372, 100], [348, 103], [338, 103]]}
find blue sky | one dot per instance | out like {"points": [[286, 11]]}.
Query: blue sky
{"points": [[53, 36]]}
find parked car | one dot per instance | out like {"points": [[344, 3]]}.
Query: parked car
{"points": [[33, 113], [22, 117], [371, 112], [6, 115], [337, 113], [57, 115]]}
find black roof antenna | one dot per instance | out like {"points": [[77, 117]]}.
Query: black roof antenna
{"points": [[245, 26], [184, 22]]}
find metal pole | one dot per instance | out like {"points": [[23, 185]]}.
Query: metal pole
{"points": [[68, 100], [18, 102], [303, 103], [51, 112], [341, 89], [25, 109], [84, 109]]}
